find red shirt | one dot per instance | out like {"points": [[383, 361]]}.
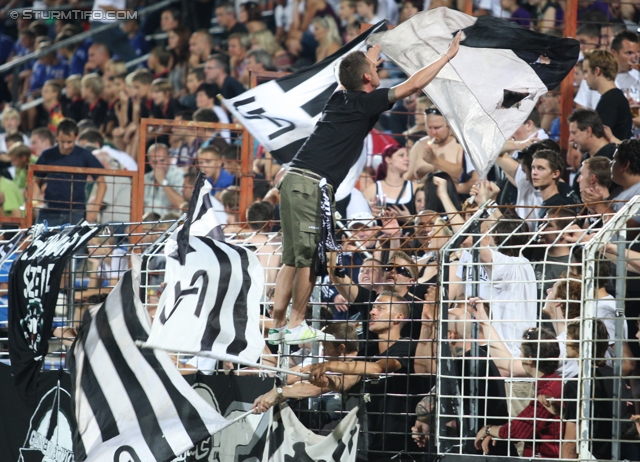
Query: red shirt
{"points": [[536, 423]]}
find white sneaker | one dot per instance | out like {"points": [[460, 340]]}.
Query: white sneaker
{"points": [[305, 334], [275, 336]]}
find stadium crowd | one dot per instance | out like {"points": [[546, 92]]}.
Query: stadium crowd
{"points": [[513, 296]]}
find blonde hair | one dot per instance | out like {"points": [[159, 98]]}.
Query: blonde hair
{"points": [[116, 66], [93, 82], [266, 40], [327, 22], [161, 85], [9, 113]]}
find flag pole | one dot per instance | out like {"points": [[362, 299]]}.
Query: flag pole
{"points": [[230, 358], [242, 416]]}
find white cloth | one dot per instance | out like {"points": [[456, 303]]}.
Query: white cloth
{"points": [[206, 366], [494, 6], [513, 298], [606, 312], [357, 204], [223, 118], [465, 273], [567, 367], [127, 162], [221, 215], [629, 81], [117, 4], [349, 182], [528, 197], [625, 195]]}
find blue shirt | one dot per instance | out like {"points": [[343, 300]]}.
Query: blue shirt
{"points": [[554, 132], [225, 179], [139, 44], [43, 72], [6, 47], [65, 188], [80, 57]]}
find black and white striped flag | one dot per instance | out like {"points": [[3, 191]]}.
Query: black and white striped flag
{"points": [[131, 404], [489, 89], [282, 113], [211, 301], [289, 440]]}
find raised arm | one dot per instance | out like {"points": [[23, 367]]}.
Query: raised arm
{"points": [[343, 284], [424, 76]]}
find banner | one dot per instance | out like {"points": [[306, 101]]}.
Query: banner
{"points": [[45, 431], [34, 284]]}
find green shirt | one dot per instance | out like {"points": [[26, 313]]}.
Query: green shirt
{"points": [[13, 198]]}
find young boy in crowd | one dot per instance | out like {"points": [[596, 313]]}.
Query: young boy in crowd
{"points": [[164, 105], [41, 139], [72, 106], [20, 156], [141, 94], [10, 123], [158, 62], [347, 12], [94, 107], [49, 113], [195, 78], [367, 10], [210, 162]]}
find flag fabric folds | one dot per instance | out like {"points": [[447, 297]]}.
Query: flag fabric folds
{"points": [[289, 440], [34, 285], [489, 89], [211, 301], [282, 113], [131, 404]]}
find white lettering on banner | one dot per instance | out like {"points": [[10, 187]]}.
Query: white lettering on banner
{"points": [[36, 281], [49, 449], [54, 246]]}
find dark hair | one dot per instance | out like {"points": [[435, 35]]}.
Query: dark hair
{"points": [[68, 127], [260, 189], [254, 13], [373, 3], [541, 346], [616, 43], [39, 28], [198, 71], [556, 163], [629, 153], [569, 293], [261, 56], [142, 76], [181, 53], [534, 117], [258, 214], [344, 333], [590, 30], [221, 61], [17, 138], [186, 114], [352, 68], [600, 166], [86, 123], [162, 55], [600, 336], [91, 135], [510, 235], [585, 118], [205, 115], [175, 13], [43, 133], [210, 89], [229, 8], [431, 200], [387, 153], [417, 4]]}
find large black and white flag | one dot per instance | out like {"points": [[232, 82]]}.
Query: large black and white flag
{"points": [[211, 301], [201, 219], [131, 404], [282, 113], [34, 285], [289, 440], [489, 89]]}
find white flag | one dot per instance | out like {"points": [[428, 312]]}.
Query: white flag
{"points": [[131, 404], [489, 89], [289, 440]]}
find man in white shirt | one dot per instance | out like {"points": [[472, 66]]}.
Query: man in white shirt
{"points": [[104, 12], [513, 296]]}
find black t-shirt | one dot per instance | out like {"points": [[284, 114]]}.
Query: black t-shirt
{"points": [[336, 141], [231, 88], [167, 111], [73, 109], [564, 197], [64, 190], [96, 112], [602, 393], [614, 111]]}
